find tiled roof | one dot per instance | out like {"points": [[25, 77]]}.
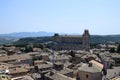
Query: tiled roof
{"points": [[14, 57], [17, 70], [97, 64], [44, 66], [58, 76], [65, 71], [87, 68]]}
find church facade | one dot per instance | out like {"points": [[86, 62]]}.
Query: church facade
{"points": [[72, 42]]}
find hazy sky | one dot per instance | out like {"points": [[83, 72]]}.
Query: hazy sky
{"points": [[68, 16]]}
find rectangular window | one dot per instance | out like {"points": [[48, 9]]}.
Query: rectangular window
{"points": [[86, 75]]}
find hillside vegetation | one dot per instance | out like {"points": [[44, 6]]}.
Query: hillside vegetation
{"points": [[33, 40], [94, 39]]}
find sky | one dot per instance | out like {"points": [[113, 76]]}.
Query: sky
{"points": [[100, 17]]}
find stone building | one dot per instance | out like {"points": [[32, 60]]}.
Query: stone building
{"points": [[72, 42], [91, 71]]}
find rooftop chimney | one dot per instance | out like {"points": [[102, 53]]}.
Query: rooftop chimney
{"points": [[90, 65]]}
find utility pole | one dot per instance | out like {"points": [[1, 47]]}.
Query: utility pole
{"points": [[53, 53]]}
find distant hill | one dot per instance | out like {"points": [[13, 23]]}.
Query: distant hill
{"points": [[12, 37], [34, 40], [7, 40], [104, 39], [29, 34]]}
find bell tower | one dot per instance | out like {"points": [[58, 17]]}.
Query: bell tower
{"points": [[86, 40]]}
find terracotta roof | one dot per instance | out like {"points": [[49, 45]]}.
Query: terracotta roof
{"points": [[116, 78], [116, 56], [91, 69], [97, 64], [14, 57], [44, 66], [17, 70], [4, 65], [65, 71], [58, 76]]}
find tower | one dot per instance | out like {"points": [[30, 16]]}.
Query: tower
{"points": [[86, 40]]}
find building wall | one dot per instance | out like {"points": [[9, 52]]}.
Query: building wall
{"points": [[21, 62], [84, 75], [96, 76], [66, 42], [89, 76], [18, 74]]}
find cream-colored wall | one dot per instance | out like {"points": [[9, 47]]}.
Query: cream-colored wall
{"points": [[91, 76], [96, 76], [82, 75]]}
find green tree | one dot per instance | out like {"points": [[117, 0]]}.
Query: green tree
{"points": [[45, 49], [41, 46], [28, 48], [36, 45], [118, 49], [48, 46], [72, 54], [112, 50]]}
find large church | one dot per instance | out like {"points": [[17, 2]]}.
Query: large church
{"points": [[72, 42]]}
